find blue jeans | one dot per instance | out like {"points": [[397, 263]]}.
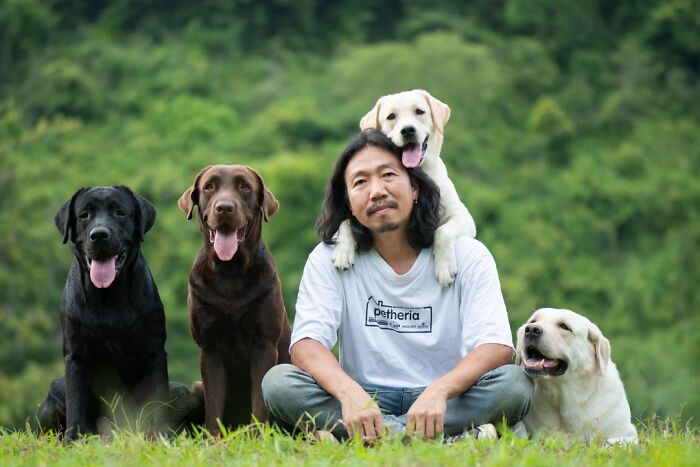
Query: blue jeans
{"points": [[295, 398]]}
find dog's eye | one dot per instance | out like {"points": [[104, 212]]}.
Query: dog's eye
{"points": [[391, 117], [244, 187], [564, 327], [420, 111], [119, 212], [84, 215], [209, 186]]}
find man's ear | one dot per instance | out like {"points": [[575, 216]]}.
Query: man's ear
{"points": [[439, 111], [371, 118], [65, 217], [601, 347], [145, 213], [267, 201], [190, 198]]}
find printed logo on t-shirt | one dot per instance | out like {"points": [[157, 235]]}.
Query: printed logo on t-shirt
{"points": [[398, 318]]}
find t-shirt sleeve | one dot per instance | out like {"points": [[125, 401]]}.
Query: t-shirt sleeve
{"points": [[483, 310], [320, 300]]}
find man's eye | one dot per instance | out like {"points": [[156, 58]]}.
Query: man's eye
{"points": [[209, 186], [391, 116], [357, 183], [420, 111], [389, 174]]}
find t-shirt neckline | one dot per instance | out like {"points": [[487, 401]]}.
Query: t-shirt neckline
{"points": [[412, 273]]}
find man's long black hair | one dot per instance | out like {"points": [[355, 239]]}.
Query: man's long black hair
{"points": [[425, 215]]}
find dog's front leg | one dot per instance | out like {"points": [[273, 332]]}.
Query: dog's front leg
{"points": [[157, 392], [343, 255], [444, 251], [262, 358], [77, 394], [214, 379]]}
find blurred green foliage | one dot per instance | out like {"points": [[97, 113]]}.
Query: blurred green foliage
{"points": [[573, 140]]}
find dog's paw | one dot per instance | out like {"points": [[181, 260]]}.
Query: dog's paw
{"points": [[445, 272], [343, 256], [445, 265]]}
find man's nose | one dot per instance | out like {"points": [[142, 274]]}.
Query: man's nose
{"points": [[377, 189]]}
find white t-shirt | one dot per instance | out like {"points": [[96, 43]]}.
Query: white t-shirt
{"points": [[401, 330]]}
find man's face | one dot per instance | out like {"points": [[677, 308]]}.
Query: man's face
{"points": [[379, 190]]}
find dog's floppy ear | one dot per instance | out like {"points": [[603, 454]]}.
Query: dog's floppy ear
{"points": [[268, 202], [601, 345], [439, 111], [190, 198], [144, 213], [519, 345], [371, 119], [65, 217]]}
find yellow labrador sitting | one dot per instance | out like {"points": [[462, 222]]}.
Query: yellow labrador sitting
{"points": [[577, 387], [414, 121]]}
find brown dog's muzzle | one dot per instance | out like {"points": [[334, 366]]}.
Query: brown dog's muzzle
{"points": [[227, 225]]}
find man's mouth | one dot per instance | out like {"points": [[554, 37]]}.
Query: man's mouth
{"points": [[375, 208], [414, 154], [226, 243], [538, 364], [103, 272]]}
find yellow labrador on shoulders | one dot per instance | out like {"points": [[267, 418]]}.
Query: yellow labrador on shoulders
{"points": [[414, 121], [577, 387]]}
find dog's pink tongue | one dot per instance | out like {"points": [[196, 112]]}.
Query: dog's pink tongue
{"points": [[540, 363], [102, 273], [225, 245], [411, 157]]}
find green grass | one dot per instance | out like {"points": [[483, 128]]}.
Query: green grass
{"points": [[661, 444]]}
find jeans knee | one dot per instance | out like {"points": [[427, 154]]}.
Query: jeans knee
{"points": [[517, 379], [275, 383], [518, 387]]}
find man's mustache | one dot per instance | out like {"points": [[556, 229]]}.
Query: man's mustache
{"points": [[377, 206]]}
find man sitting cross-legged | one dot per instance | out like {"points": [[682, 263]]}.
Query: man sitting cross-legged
{"points": [[414, 356]]}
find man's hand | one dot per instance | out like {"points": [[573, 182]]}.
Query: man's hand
{"points": [[426, 417], [361, 416]]}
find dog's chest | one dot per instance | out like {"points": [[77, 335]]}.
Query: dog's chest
{"points": [[555, 407], [118, 322], [231, 311]]}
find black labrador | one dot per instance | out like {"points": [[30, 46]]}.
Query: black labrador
{"points": [[112, 318]]}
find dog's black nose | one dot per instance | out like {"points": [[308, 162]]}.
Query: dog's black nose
{"points": [[99, 233], [225, 206], [408, 131], [533, 330]]}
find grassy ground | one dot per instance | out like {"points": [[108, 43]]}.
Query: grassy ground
{"points": [[662, 444]]}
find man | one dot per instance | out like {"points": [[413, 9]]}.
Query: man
{"points": [[414, 356]]}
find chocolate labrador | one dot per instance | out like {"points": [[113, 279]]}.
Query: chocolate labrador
{"points": [[111, 314], [237, 316]]}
